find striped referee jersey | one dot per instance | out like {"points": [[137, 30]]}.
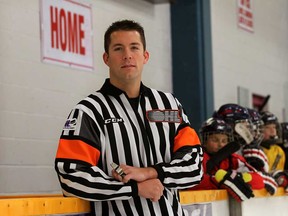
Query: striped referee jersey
{"points": [[150, 131]]}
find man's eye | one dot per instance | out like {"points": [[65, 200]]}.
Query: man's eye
{"points": [[117, 48], [135, 48]]}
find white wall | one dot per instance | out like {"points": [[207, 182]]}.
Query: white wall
{"points": [[257, 61], [265, 206], [36, 97]]}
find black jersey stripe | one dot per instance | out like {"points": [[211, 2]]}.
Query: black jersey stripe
{"points": [[138, 205], [75, 115], [90, 106]]}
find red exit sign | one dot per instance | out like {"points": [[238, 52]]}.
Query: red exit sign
{"points": [[66, 33], [245, 15]]}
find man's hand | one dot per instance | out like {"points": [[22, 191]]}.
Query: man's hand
{"points": [[149, 186], [135, 173], [151, 189]]}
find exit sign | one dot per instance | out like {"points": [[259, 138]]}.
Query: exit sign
{"points": [[66, 33], [245, 15]]}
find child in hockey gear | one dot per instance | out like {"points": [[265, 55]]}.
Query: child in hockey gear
{"points": [[253, 153], [275, 154], [255, 156], [239, 119], [236, 115], [222, 167], [280, 176], [284, 145]]}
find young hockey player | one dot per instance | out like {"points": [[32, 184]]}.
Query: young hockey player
{"points": [[275, 154], [252, 152], [284, 145], [231, 171], [245, 137]]}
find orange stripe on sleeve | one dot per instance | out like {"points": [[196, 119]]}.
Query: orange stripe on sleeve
{"points": [[77, 150], [186, 137]]}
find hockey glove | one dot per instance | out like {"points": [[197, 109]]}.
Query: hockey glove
{"points": [[281, 177], [256, 158], [234, 184], [270, 183]]}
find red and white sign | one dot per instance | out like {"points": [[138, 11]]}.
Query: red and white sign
{"points": [[245, 15], [66, 33]]}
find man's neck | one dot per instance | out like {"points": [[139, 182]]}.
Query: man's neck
{"points": [[132, 89]]}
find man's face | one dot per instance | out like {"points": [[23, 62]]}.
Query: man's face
{"points": [[126, 57], [269, 131]]}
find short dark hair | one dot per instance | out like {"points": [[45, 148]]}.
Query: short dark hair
{"points": [[123, 25]]}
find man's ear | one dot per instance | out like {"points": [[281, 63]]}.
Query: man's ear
{"points": [[105, 58], [146, 56]]}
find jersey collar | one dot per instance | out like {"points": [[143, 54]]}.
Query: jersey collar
{"points": [[110, 89]]}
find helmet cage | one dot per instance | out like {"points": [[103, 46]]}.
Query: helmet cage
{"points": [[247, 123], [204, 136], [257, 125], [215, 126], [258, 131]]}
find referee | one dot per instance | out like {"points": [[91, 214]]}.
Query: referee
{"points": [[128, 148]]}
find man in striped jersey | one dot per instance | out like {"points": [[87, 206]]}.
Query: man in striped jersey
{"points": [[143, 130]]}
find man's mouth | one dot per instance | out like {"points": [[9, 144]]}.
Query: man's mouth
{"points": [[127, 66]]}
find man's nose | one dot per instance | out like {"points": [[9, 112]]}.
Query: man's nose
{"points": [[127, 55]]}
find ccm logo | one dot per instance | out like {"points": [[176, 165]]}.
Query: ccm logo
{"points": [[172, 116], [113, 120]]}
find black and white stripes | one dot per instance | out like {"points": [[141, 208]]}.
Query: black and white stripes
{"points": [[109, 129]]}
